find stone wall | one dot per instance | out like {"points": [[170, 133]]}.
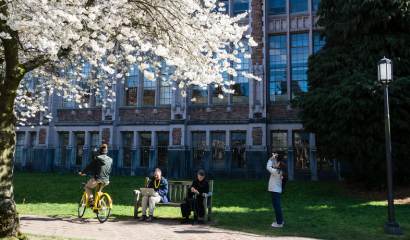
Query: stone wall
{"points": [[145, 114], [257, 31], [281, 111], [257, 135], [219, 113], [176, 136], [42, 136], [79, 115]]}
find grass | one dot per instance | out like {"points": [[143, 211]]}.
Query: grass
{"points": [[311, 209], [44, 237]]}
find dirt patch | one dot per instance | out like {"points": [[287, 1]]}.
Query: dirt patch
{"points": [[401, 194]]}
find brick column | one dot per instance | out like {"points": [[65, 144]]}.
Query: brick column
{"points": [[257, 31]]}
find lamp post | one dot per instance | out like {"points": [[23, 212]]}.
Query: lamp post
{"points": [[385, 76]]}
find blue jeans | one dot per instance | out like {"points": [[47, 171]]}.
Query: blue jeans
{"points": [[276, 205]]}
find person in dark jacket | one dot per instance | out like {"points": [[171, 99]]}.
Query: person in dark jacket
{"points": [[160, 185], [195, 202], [102, 165]]}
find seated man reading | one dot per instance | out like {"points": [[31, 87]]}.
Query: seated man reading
{"points": [[160, 185], [194, 201]]}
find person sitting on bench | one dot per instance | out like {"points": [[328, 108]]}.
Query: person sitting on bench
{"points": [[160, 185], [194, 201]]}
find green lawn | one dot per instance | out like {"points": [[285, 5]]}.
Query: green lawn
{"points": [[310, 209]]}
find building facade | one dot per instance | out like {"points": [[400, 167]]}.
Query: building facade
{"points": [[151, 125]]}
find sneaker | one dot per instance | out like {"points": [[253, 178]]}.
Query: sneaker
{"points": [[150, 218], [196, 222], [142, 218], [186, 220], [91, 203], [283, 222], [277, 225]]}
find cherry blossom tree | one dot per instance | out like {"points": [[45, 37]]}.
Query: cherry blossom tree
{"points": [[51, 40]]}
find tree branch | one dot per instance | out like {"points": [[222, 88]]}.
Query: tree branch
{"points": [[42, 59]]}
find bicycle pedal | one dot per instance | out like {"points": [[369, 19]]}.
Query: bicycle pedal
{"points": [[95, 211]]}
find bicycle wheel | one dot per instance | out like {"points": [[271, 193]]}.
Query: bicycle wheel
{"points": [[81, 206], [105, 211]]}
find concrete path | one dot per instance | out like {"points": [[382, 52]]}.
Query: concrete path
{"points": [[162, 228]]}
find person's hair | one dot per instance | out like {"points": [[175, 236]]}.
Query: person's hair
{"points": [[103, 149], [283, 170], [201, 173], [157, 170]]}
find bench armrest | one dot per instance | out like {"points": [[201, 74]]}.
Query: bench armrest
{"points": [[207, 194], [137, 191]]}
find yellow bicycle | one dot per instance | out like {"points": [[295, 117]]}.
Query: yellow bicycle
{"points": [[103, 202]]}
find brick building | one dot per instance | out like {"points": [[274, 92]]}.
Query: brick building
{"points": [[150, 125]]}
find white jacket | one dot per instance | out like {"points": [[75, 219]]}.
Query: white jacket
{"points": [[275, 180]]}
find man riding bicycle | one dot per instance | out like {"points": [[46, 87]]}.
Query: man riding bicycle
{"points": [[102, 167]]}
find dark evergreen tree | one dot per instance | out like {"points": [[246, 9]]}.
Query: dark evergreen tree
{"points": [[344, 104]]}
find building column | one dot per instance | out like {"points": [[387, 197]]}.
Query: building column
{"points": [[26, 150], [291, 162], [228, 152], [134, 154], [152, 152], [69, 152], [86, 150], [313, 157]]}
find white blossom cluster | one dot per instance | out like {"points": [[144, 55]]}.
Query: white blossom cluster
{"points": [[190, 36]]}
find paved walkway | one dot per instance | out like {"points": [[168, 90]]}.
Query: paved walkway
{"points": [[162, 228]]}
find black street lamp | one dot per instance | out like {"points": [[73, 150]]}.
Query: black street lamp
{"points": [[385, 76]]}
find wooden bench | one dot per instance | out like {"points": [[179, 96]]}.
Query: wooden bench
{"points": [[178, 191]]}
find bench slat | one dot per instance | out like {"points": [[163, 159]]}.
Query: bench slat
{"points": [[170, 192], [180, 182], [175, 193], [180, 194], [185, 192]]}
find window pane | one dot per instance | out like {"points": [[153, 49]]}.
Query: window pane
{"points": [[298, 5], [95, 137], [85, 75], [238, 150], [198, 144], [165, 87], [63, 143], [301, 151], [317, 44], [240, 6], [145, 145], [224, 8], [32, 144], [131, 86], [277, 6], [18, 154], [241, 86], [78, 149], [278, 89], [280, 145], [316, 4], [163, 143], [200, 95], [127, 142], [218, 150], [324, 163], [299, 56], [148, 93], [217, 89]]}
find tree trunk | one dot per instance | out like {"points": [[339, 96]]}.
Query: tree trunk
{"points": [[9, 218]]}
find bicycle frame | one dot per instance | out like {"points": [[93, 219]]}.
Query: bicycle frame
{"points": [[97, 197]]}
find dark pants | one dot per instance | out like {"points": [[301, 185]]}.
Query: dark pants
{"points": [[276, 205], [186, 210]]}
